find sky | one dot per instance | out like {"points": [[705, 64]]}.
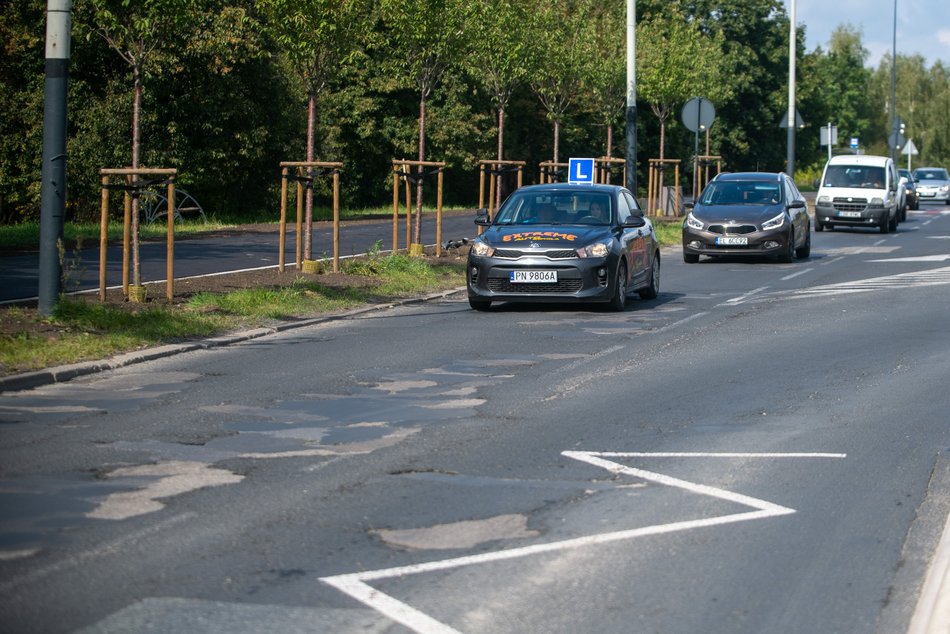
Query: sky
{"points": [[923, 26]]}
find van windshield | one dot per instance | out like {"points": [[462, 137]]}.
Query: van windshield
{"points": [[857, 176]]}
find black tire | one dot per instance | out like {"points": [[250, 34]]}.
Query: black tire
{"points": [[479, 304], [619, 300], [885, 225], [690, 258], [651, 291], [804, 251], [892, 223], [788, 255], [819, 227]]}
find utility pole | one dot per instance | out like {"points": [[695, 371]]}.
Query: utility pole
{"points": [[631, 120], [893, 139], [53, 184], [790, 168]]}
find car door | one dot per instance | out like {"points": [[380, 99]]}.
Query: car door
{"points": [[799, 216], [636, 242]]}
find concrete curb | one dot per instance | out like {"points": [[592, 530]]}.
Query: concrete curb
{"points": [[61, 374]]}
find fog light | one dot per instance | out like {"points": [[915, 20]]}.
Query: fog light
{"points": [[772, 244], [474, 274], [601, 271], [695, 244]]}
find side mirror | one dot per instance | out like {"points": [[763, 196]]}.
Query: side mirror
{"points": [[689, 206], [481, 218], [816, 183], [797, 204], [633, 222]]}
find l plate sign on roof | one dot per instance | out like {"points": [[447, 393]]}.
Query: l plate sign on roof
{"points": [[580, 171]]}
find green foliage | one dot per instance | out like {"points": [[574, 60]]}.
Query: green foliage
{"points": [[226, 83]]}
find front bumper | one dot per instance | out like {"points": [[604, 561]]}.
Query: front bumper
{"points": [[758, 243], [827, 214], [578, 279]]}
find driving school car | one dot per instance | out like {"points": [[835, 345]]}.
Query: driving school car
{"points": [[564, 243]]}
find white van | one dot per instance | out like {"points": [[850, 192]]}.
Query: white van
{"points": [[858, 191]]}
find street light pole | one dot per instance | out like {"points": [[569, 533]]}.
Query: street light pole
{"points": [[631, 112], [53, 174], [790, 167], [892, 139]]}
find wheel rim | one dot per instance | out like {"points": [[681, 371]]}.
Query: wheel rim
{"points": [[656, 275]]}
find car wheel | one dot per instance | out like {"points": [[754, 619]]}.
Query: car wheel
{"points": [[805, 250], [892, 223], [690, 258], [819, 227], [651, 291], [885, 225], [479, 304], [789, 253], [619, 301]]}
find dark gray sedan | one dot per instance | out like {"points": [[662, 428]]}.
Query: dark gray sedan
{"points": [[564, 243], [756, 213]]}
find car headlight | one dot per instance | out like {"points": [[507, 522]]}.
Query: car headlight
{"points": [[945, 188], [596, 250], [824, 200], [481, 249], [876, 202], [693, 222], [775, 222]]}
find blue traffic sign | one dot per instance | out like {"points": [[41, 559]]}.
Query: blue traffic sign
{"points": [[580, 171]]}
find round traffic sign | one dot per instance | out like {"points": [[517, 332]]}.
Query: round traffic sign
{"points": [[698, 114]]}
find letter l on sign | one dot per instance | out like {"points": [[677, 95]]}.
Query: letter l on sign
{"points": [[580, 171]]}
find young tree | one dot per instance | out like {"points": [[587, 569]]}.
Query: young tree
{"points": [[559, 54], [675, 62], [317, 36], [426, 38], [497, 56], [605, 73], [146, 35]]}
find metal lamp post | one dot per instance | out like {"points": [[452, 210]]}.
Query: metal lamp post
{"points": [[53, 185], [631, 112]]}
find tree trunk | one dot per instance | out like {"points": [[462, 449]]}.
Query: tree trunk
{"points": [[417, 236], [308, 226], [501, 136], [662, 136], [557, 139], [136, 140], [610, 149]]}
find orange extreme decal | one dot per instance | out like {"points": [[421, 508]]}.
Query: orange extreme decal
{"points": [[538, 236]]}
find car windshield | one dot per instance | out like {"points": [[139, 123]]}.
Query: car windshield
{"points": [[931, 175], [556, 208], [742, 193], [857, 176]]}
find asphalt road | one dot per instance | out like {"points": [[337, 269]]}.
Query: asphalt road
{"points": [[763, 448], [214, 254]]}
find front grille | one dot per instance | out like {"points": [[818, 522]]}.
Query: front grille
{"points": [[854, 204], [732, 230], [502, 285], [514, 254]]}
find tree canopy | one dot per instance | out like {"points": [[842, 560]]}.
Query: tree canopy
{"points": [[226, 85]]}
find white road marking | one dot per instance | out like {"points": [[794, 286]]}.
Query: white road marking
{"points": [[802, 272], [930, 277], [938, 237], [356, 584], [918, 258], [677, 324], [742, 298]]}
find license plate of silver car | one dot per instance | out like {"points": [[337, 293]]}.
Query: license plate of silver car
{"points": [[532, 277]]}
